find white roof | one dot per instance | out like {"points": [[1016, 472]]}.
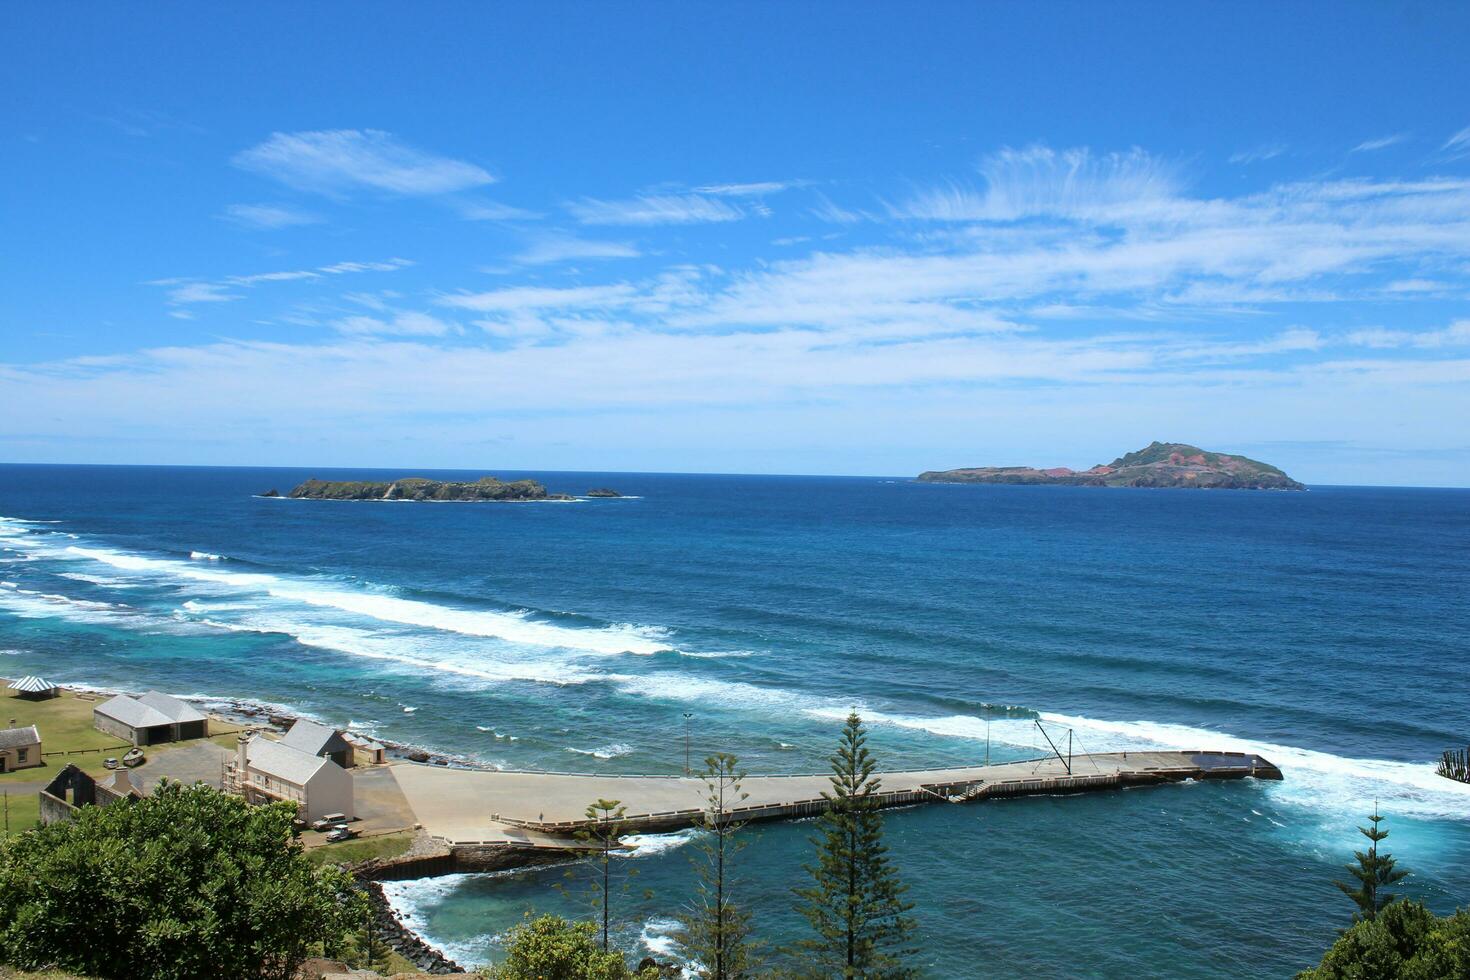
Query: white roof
{"points": [[176, 710], [362, 741], [148, 711], [282, 761], [32, 685], [16, 738], [308, 736]]}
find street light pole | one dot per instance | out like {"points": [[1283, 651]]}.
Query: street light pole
{"points": [[687, 716]]}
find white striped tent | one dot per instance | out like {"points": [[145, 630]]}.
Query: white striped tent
{"points": [[35, 688]]}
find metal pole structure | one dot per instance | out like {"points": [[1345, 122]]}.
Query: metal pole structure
{"points": [[987, 734], [1069, 750], [687, 716], [1065, 761]]}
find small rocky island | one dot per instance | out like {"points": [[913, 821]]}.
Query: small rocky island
{"points": [[1160, 464], [418, 488]]}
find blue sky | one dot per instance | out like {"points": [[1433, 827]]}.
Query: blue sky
{"points": [[791, 238]]}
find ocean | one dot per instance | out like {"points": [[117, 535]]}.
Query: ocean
{"points": [[1327, 630]]}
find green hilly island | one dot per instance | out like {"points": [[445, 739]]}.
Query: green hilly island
{"points": [[1167, 465]]}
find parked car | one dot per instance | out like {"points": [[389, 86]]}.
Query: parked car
{"points": [[340, 833], [109, 763]]}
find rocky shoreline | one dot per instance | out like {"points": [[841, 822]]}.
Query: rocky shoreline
{"points": [[253, 713], [403, 940]]}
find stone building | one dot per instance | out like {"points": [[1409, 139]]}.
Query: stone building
{"points": [[265, 771], [149, 719]]}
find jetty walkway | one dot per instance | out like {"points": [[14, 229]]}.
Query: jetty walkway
{"points": [[466, 807]]}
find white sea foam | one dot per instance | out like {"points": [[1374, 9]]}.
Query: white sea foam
{"points": [[103, 580], [612, 751], [415, 653], [1314, 779], [649, 845], [515, 627], [657, 936], [171, 567], [412, 899], [30, 604], [735, 694]]}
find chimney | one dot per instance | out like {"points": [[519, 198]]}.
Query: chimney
{"points": [[122, 782], [242, 741]]}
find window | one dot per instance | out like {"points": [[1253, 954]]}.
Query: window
{"points": [[20, 754]]}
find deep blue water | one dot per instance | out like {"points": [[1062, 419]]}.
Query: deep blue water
{"points": [[1327, 630]]}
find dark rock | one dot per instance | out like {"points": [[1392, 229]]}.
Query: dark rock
{"points": [[273, 492], [603, 492], [418, 488], [417, 756]]}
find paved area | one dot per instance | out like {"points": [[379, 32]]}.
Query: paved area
{"points": [[466, 806], [380, 804], [184, 762]]}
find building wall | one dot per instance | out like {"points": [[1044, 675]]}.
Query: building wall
{"points": [[113, 727], [329, 791], [276, 788], [24, 757], [84, 792], [364, 756]]}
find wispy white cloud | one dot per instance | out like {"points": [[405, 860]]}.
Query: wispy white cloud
{"points": [[1457, 334], [655, 209], [331, 161], [184, 291], [1259, 154], [563, 248], [519, 298], [495, 211], [201, 292], [1459, 143], [1382, 142], [833, 213], [755, 189], [269, 216], [1039, 181], [401, 324]]}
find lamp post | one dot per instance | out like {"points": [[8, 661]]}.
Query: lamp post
{"points": [[687, 716]]}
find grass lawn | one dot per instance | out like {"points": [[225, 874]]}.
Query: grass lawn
{"points": [[24, 811], [65, 724], [352, 851]]}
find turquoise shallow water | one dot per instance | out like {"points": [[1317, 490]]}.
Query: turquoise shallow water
{"points": [[1327, 630]]}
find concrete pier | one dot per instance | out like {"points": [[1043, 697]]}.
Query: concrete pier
{"points": [[543, 809]]}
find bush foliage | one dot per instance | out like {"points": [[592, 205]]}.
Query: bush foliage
{"points": [[186, 883]]}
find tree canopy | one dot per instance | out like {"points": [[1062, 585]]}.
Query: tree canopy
{"points": [[1404, 941], [855, 903], [551, 948], [1374, 872], [186, 883]]}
